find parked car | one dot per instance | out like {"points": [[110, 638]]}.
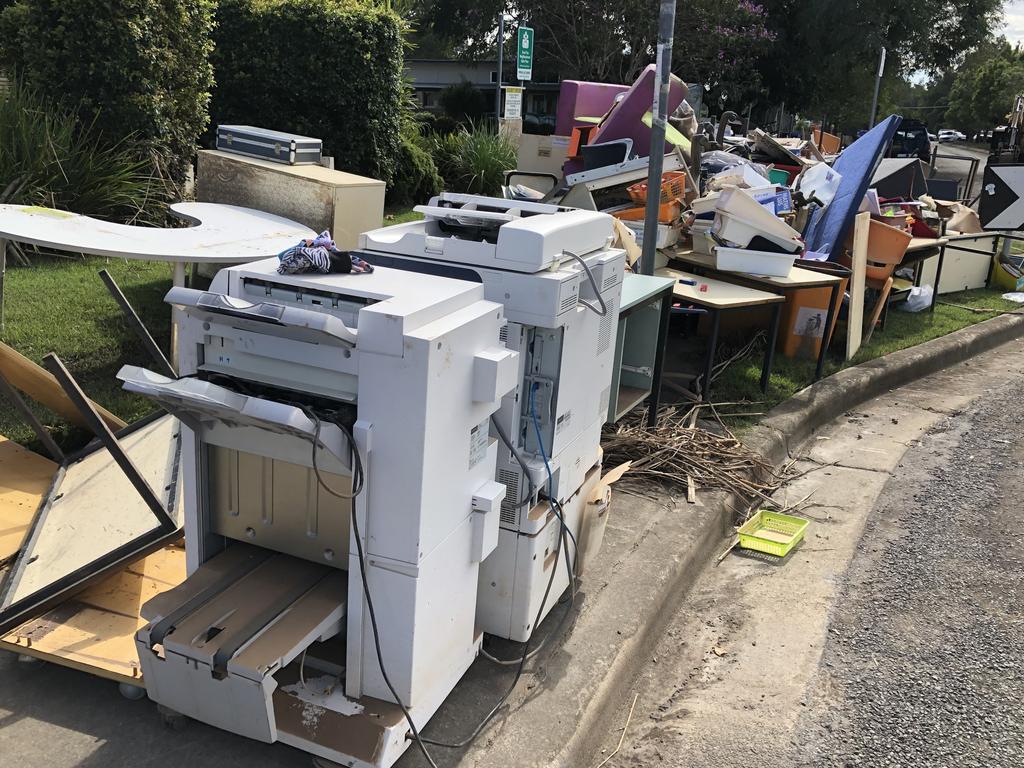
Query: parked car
{"points": [[932, 136], [948, 134]]}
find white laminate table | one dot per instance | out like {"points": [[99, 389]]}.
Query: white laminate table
{"points": [[220, 234]]}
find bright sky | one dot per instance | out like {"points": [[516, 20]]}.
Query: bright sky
{"points": [[1014, 18]]}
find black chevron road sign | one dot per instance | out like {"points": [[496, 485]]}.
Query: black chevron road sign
{"points": [[1002, 197]]}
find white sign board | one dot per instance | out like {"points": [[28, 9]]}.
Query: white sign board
{"points": [[513, 103]]}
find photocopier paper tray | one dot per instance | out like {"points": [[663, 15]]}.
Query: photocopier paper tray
{"points": [[214, 642]]}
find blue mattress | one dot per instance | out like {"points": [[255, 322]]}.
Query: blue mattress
{"points": [[829, 226]]}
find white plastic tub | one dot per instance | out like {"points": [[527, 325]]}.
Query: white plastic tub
{"points": [[705, 204], [667, 234], [702, 243], [753, 262], [739, 204], [741, 232]]}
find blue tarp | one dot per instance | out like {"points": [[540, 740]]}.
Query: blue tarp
{"points": [[829, 226]]}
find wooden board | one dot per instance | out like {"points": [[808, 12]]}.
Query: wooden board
{"points": [[95, 631], [859, 265], [798, 277], [719, 294], [24, 479], [39, 384]]}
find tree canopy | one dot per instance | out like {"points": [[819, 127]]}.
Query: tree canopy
{"points": [[817, 56]]}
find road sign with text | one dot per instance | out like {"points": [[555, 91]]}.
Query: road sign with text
{"points": [[524, 53]]}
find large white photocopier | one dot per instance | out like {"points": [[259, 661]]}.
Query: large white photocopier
{"points": [[336, 425], [559, 279], [270, 636]]}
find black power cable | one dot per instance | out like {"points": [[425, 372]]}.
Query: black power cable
{"points": [[358, 480], [562, 530]]}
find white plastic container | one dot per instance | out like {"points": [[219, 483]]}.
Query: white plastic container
{"points": [[753, 262], [667, 234], [705, 204], [738, 231], [740, 204], [702, 243]]}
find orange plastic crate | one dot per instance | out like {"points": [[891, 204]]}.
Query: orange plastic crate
{"points": [[668, 213], [673, 187]]}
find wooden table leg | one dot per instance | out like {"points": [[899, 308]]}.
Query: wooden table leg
{"points": [[769, 354]]}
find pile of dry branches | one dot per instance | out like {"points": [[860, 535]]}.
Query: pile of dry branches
{"points": [[682, 455]]}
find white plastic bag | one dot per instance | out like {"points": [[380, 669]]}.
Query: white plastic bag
{"points": [[920, 298], [819, 181]]}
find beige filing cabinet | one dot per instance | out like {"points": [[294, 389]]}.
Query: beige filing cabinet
{"points": [[312, 195]]}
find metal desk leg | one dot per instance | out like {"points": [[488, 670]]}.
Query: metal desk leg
{"points": [[3, 274], [938, 277], [659, 360], [177, 281], [826, 337], [709, 364], [769, 354]]}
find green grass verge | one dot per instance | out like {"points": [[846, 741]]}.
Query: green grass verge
{"points": [[400, 216], [61, 305], [741, 381]]}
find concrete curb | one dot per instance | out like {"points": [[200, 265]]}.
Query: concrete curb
{"points": [[792, 422], [562, 727]]}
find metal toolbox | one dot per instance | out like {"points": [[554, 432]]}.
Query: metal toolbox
{"points": [[278, 147]]}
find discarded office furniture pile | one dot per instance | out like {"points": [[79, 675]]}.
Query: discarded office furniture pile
{"points": [[371, 470], [763, 225]]}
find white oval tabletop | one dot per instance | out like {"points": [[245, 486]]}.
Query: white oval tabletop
{"points": [[220, 233]]}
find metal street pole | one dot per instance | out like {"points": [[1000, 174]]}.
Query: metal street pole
{"points": [[878, 82], [501, 55], [659, 111]]}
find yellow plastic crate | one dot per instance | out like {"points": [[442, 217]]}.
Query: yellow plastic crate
{"points": [[772, 532]]}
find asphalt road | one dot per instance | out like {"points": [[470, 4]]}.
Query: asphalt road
{"points": [[923, 664], [893, 636]]}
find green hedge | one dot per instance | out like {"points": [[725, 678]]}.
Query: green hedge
{"points": [[137, 68], [331, 69]]}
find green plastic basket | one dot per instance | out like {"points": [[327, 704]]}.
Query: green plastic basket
{"points": [[772, 533]]}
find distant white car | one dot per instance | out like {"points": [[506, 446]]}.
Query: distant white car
{"points": [[948, 134], [931, 136]]}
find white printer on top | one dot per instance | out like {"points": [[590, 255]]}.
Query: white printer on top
{"points": [[559, 279]]}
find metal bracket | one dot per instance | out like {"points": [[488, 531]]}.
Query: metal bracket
{"points": [[137, 325], [102, 431]]}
